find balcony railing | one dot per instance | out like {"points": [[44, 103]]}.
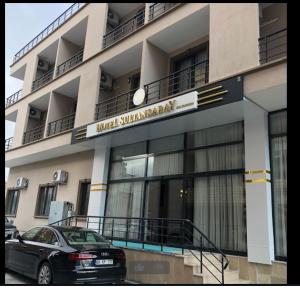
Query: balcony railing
{"points": [[191, 77], [47, 77], [74, 60], [34, 134], [60, 125], [116, 105], [124, 29], [13, 98], [8, 143], [273, 46], [158, 9], [48, 30]]}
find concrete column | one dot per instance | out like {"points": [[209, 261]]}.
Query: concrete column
{"points": [[260, 239], [99, 184], [30, 72], [21, 124]]}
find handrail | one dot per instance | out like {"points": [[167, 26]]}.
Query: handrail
{"points": [[66, 123], [45, 78], [13, 98], [69, 62], [161, 10], [156, 231], [48, 30], [8, 143], [272, 34], [33, 134]]}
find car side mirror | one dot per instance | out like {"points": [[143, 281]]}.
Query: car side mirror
{"points": [[19, 237]]}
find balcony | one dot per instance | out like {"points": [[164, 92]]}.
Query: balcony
{"points": [[273, 46], [60, 125], [8, 143], [124, 29], [49, 30], [13, 98], [73, 61], [47, 77], [158, 9], [34, 134], [193, 76]]}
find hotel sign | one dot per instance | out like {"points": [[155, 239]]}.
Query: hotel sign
{"points": [[155, 111]]}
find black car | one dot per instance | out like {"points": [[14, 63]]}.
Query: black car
{"points": [[10, 229], [65, 255]]}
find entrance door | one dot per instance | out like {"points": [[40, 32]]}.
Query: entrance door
{"points": [[165, 199]]}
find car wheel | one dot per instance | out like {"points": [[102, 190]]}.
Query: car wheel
{"points": [[45, 274]]}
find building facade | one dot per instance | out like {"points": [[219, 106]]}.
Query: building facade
{"points": [[165, 110]]}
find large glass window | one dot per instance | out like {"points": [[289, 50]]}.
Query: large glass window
{"points": [[46, 194], [278, 138], [12, 200]]}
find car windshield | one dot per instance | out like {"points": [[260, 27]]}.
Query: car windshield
{"points": [[85, 240]]}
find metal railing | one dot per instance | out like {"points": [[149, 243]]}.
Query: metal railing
{"points": [[49, 29], [193, 76], [60, 125], [116, 105], [124, 29], [13, 98], [162, 232], [273, 46], [8, 143], [34, 134], [47, 77], [158, 9], [71, 62]]}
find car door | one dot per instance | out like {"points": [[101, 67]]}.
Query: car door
{"points": [[38, 250], [16, 250]]}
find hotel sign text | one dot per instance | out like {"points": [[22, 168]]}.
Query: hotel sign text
{"points": [[159, 110]]}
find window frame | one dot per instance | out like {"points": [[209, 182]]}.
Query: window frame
{"points": [[79, 199], [37, 203], [9, 190]]}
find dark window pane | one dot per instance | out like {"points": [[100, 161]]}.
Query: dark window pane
{"points": [[166, 144], [135, 149], [278, 123], [84, 195], [45, 236], [128, 169], [12, 202], [29, 235], [45, 196]]}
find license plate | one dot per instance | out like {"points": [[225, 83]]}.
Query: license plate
{"points": [[104, 262]]}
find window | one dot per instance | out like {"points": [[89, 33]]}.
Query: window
{"points": [[46, 194], [29, 235], [278, 145], [83, 197], [12, 200], [45, 235]]}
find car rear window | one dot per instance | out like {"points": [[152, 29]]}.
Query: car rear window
{"points": [[84, 239]]}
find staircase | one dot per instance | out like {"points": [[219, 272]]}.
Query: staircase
{"points": [[210, 268]]}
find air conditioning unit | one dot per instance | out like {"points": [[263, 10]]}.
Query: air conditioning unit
{"points": [[113, 18], [43, 65], [22, 182], [106, 81], [60, 176], [35, 113]]}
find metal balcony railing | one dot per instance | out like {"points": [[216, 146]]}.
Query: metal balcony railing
{"points": [[8, 143], [193, 76], [34, 134], [116, 105], [124, 29], [47, 77], [13, 98], [60, 125], [159, 232], [73, 61], [273, 46], [49, 29], [158, 9]]}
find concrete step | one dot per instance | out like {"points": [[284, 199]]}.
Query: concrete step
{"points": [[229, 277]]}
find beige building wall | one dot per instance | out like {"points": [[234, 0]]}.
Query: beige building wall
{"points": [[79, 166], [233, 38], [66, 50]]}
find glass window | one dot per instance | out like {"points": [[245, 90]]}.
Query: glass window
{"points": [[216, 135], [46, 236], [118, 153], [167, 164], [29, 235], [128, 169], [279, 180], [12, 200], [220, 210], [46, 194], [83, 197], [166, 144]]}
